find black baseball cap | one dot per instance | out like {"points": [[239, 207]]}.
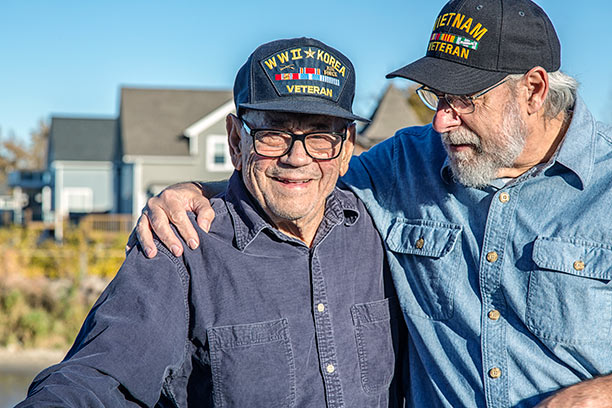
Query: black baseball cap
{"points": [[298, 75], [476, 43]]}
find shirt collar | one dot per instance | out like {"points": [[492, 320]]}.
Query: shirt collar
{"points": [[248, 219], [576, 152]]}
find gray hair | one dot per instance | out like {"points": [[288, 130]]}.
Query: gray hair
{"points": [[561, 93]]}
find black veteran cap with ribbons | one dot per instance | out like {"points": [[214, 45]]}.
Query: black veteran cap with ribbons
{"points": [[476, 43], [299, 75]]}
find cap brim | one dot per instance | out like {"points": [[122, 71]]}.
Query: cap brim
{"points": [[303, 105], [447, 76]]}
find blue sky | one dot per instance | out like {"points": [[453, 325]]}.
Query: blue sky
{"points": [[71, 57]]}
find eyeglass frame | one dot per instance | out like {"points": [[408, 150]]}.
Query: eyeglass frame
{"points": [[470, 98], [295, 137]]}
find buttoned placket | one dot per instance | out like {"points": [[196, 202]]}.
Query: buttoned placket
{"points": [[493, 339], [326, 346]]}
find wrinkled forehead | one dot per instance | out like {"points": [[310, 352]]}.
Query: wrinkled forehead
{"points": [[289, 120]]}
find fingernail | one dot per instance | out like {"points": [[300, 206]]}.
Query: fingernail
{"points": [[192, 243], [205, 225], [175, 250], [148, 251]]}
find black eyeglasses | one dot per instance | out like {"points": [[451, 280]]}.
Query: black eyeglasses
{"points": [[463, 104], [277, 143]]}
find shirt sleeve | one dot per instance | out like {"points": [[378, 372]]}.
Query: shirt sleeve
{"points": [[133, 337], [371, 176]]}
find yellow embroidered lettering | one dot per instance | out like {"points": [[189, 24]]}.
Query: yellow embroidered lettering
{"points": [[467, 25], [465, 53], [444, 19], [283, 57], [296, 54], [458, 20], [270, 63], [478, 31]]}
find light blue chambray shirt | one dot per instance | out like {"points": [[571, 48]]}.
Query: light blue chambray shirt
{"points": [[506, 290]]}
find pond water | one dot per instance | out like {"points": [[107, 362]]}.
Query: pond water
{"points": [[13, 387]]}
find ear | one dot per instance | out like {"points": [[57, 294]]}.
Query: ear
{"points": [[536, 83], [347, 149], [234, 129]]}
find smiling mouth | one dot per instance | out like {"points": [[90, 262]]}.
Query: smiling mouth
{"points": [[290, 181]]}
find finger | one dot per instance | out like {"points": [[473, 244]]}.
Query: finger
{"points": [[145, 236], [159, 221], [204, 212], [184, 227]]}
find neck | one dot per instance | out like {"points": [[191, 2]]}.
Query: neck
{"points": [[303, 229], [543, 138]]}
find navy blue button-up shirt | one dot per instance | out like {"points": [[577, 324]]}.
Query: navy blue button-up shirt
{"points": [[507, 289], [252, 318]]}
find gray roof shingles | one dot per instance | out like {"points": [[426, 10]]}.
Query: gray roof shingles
{"points": [[152, 121], [392, 113], [82, 139]]}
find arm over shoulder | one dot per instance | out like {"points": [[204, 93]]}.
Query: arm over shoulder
{"points": [[133, 337]]}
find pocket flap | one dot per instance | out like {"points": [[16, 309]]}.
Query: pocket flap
{"points": [[247, 334], [377, 311], [574, 256], [422, 237]]}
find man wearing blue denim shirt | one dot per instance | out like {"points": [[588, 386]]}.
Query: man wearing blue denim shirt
{"points": [[287, 302], [495, 218]]}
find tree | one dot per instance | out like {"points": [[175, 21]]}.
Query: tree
{"points": [[16, 154]]}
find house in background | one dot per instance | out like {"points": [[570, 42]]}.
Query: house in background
{"points": [[167, 136], [160, 137], [393, 112], [81, 165]]}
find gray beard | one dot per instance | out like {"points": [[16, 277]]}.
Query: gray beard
{"points": [[478, 167]]}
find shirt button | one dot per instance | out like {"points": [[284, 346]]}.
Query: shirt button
{"points": [[495, 372], [578, 265], [494, 314], [504, 197], [492, 256], [321, 307], [420, 243], [330, 368]]}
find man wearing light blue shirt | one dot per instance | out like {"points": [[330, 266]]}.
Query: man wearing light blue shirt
{"points": [[495, 218]]}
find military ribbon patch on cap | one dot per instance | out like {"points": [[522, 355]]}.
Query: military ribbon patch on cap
{"points": [[455, 44], [307, 71]]}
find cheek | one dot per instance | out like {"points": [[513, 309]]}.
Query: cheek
{"points": [[331, 172]]}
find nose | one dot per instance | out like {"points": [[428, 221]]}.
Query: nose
{"points": [[297, 156], [445, 119]]}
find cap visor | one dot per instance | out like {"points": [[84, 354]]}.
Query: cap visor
{"points": [[306, 106], [447, 76]]}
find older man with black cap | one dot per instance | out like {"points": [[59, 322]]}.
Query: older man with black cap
{"points": [[494, 218], [288, 301]]}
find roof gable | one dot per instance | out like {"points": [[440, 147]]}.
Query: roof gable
{"points": [[82, 139], [153, 121], [393, 112]]}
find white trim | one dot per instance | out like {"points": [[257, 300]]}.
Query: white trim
{"points": [[75, 163], [211, 142], [138, 195], [199, 127], [174, 160]]}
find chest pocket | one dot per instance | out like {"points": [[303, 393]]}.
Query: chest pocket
{"points": [[424, 264], [570, 295], [252, 365]]}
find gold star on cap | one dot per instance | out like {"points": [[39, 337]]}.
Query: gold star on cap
{"points": [[310, 53]]}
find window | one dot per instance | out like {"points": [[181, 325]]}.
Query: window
{"points": [[217, 154], [77, 199]]}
